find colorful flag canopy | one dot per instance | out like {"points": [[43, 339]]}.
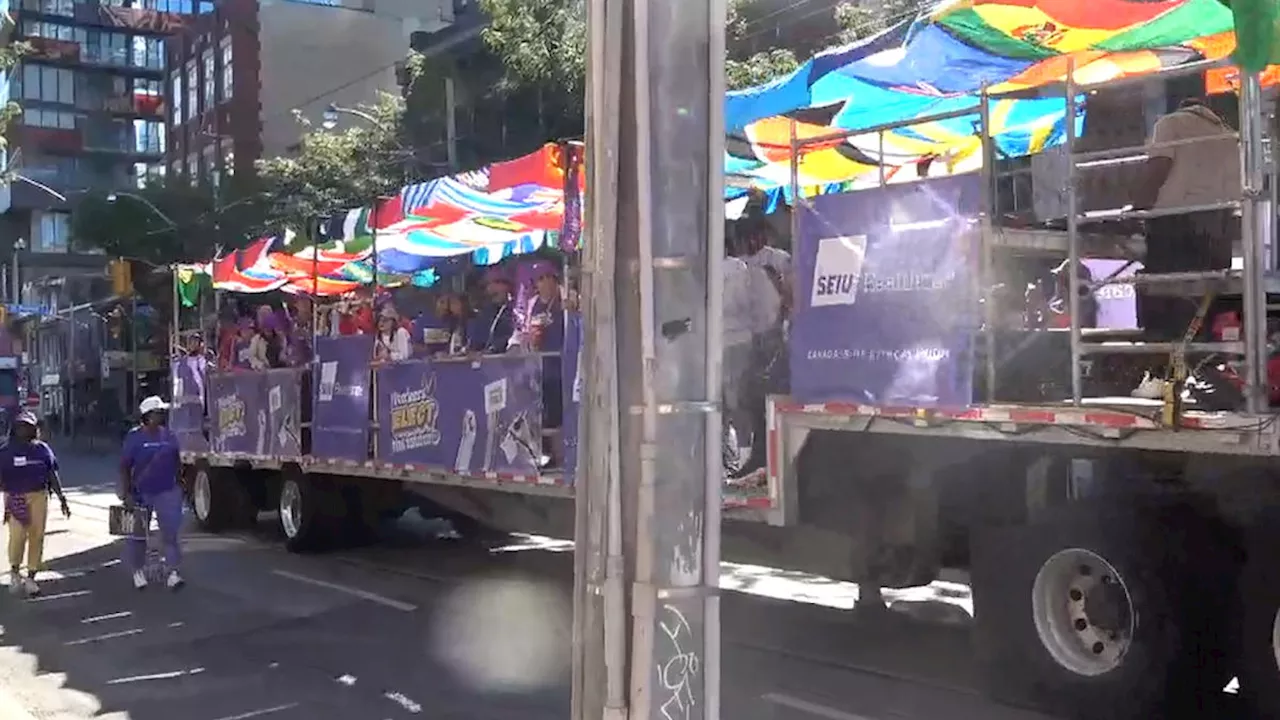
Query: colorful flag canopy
{"points": [[938, 63]]}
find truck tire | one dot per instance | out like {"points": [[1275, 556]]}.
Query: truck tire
{"points": [[218, 499], [308, 517], [1257, 632], [1110, 608]]}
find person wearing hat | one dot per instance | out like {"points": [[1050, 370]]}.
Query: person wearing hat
{"points": [[494, 325], [28, 475], [392, 343], [149, 468]]}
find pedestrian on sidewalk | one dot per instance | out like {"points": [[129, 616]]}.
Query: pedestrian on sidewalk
{"points": [[149, 467], [28, 475]]}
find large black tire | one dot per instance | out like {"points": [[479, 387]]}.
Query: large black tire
{"points": [[1258, 618], [310, 514], [1174, 566], [219, 500]]}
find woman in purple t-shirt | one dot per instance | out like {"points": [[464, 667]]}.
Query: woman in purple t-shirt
{"points": [[28, 474]]}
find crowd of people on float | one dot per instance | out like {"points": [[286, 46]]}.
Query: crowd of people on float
{"points": [[447, 324]]}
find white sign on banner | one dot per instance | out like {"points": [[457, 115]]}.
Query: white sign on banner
{"points": [[837, 270]]}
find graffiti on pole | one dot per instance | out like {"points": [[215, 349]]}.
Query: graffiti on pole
{"points": [[678, 673]]}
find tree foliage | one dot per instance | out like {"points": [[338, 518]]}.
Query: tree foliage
{"points": [[164, 223], [335, 170]]}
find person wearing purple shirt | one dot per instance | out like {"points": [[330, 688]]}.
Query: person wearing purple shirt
{"points": [[149, 466], [28, 474]]}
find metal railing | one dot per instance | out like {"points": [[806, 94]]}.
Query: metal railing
{"points": [[1256, 201]]}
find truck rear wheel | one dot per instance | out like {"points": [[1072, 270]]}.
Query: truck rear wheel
{"points": [[1104, 609], [1257, 634], [218, 499], [307, 514]]}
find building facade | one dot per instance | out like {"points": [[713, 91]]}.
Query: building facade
{"points": [[239, 76], [93, 119]]}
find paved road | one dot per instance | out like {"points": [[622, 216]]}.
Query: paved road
{"points": [[415, 628]]}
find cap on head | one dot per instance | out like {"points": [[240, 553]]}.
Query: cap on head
{"points": [[26, 418], [152, 404], [496, 275], [388, 312], [543, 269]]}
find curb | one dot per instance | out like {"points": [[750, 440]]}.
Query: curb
{"points": [[11, 708]]}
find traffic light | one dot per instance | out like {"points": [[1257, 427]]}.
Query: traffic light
{"points": [[121, 278]]}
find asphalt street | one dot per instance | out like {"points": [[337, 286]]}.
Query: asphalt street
{"points": [[419, 627]]}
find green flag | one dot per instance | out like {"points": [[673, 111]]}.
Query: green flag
{"points": [[1256, 33], [190, 279]]}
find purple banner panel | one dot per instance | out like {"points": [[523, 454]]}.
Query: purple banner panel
{"points": [[284, 412], [340, 408], [238, 413], [571, 387], [886, 306], [186, 417], [469, 416]]}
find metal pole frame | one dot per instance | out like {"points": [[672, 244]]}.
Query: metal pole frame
{"points": [[986, 260], [1073, 241], [1255, 225]]}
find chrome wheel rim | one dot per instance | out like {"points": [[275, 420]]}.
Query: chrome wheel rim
{"points": [[202, 495], [290, 508], [1083, 612]]}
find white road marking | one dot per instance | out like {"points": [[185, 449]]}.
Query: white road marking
{"points": [[260, 713], [354, 592], [60, 596], [156, 676], [810, 707], [108, 616], [100, 638]]}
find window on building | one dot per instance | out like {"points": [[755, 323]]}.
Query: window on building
{"points": [[145, 174], [54, 232], [65, 8], [228, 77], [207, 78], [148, 96], [192, 90], [56, 119], [48, 84], [147, 52], [209, 160], [175, 96], [52, 31], [175, 168], [193, 167], [148, 137]]}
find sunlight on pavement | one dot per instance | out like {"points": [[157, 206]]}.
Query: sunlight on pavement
{"points": [[503, 635]]}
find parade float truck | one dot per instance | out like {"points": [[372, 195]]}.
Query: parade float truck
{"points": [[1121, 550]]}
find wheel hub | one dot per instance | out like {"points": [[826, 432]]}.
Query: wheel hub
{"points": [[201, 495], [291, 509], [1083, 612]]}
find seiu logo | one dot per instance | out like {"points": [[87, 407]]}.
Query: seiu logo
{"points": [[837, 269], [836, 284]]}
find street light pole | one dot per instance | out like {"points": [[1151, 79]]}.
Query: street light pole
{"points": [[652, 461], [16, 294], [115, 197]]}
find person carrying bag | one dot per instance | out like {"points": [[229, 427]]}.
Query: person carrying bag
{"points": [[149, 467], [28, 475]]}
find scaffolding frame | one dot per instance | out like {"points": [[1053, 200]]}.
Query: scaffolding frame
{"points": [[1257, 204]]}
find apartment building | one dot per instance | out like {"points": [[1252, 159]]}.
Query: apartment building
{"points": [[239, 75]]}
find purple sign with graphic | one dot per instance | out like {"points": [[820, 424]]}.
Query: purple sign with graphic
{"points": [[238, 413], [886, 306], [469, 416], [571, 387], [284, 412], [340, 407], [186, 417], [1117, 304]]}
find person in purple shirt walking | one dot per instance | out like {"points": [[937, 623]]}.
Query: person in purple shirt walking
{"points": [[149, 467], [28, 474]]}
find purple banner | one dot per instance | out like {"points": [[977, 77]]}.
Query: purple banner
{"points": [[284, 412], [340, 387], [571, 387], [238, 413], [885, 301], [186, 417], [1117, 304], [472, 417]]}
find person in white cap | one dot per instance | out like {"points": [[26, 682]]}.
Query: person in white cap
{"points": [[149, 467], [393, 341]]}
